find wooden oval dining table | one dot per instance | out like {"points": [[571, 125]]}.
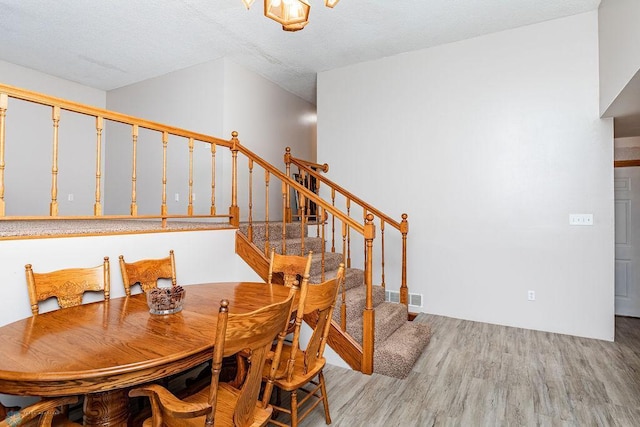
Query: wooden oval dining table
{"points": [[102, 349]]}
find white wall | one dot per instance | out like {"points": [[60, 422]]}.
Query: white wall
{"points": [[619, 47], [268, 119], [203, 256], [29, 142], [214, 98], [488, 144], [191, 99]]}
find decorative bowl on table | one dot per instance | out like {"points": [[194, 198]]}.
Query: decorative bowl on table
{"points": [[165, 300]]}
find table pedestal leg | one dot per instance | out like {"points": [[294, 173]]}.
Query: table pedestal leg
{"points": [[106, 409]]}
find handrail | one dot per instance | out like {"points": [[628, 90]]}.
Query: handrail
{"points": [[402, 226], [325, 208], [302, 189], [101, 116], [316, 166], [88, 110], [378, 213]]}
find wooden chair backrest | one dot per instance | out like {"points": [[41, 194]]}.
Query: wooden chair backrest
{"points": [[147, 272], [68, 285], [4, 410], [42, 411], [319, 300], [251, 333], [292, 267]]}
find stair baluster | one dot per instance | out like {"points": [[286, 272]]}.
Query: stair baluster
{"points": [[190, 201], [97, 207], [250, 231], [382, 250], [134, 178], [213, 179], [53, 206], [163, 208], [267, 249], [4, 104], [348, 264], [333, 221]]}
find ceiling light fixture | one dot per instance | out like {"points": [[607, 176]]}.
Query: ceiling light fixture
{"points": [[292, 14]]}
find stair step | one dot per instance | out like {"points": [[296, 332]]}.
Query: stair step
{"points": [[396, 356], [353, 277], [293, 230], [389, 316], [293, 246], [332, 261], [356, 299]]}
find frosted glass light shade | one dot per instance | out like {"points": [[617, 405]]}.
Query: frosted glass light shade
{"points": [[331, 3]]}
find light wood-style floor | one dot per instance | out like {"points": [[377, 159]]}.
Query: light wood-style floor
{"points": [[476, 374]]}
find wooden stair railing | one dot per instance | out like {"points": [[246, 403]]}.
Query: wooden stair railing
{"points": [[9, 94], [351, 229], [326, 209], [307, 168]]}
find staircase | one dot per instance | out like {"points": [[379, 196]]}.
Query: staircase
{"points": [[398, 341]]}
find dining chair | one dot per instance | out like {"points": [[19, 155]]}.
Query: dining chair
{"points": [[292, 267], [298, 368], [44, 413], [223, 404], [4, 410], [147, 272], [68, 286]]}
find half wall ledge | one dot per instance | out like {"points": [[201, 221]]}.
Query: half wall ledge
{"points": [[30, 229]]}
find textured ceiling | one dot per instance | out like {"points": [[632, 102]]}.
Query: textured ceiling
{"points": [[108, 44]]}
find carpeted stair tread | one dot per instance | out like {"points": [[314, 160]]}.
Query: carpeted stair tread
{"points": [[353, 277], [396, 356], [388, 317], [332, 261], [356, 299], [293, 246], [293, 230]]}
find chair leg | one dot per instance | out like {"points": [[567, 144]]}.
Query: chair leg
{"points": [[294, 408], [325, 400]]}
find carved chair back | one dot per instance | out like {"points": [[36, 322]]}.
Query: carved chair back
{"points": [[147, 272], [68, 285], [292, 267]]}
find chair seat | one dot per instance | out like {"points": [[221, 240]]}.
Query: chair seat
{"points": [[299, 378], [227, 398]]}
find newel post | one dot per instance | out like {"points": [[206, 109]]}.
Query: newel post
{"points": [[287, 193], [368, 318], [404, 291], [234, 210]]}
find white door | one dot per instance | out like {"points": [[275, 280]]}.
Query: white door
{"points": [[627, 211]]}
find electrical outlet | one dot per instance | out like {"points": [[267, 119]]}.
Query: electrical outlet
{"points": [[580, 219], [531, 295], [177, 197], [70, 197]]}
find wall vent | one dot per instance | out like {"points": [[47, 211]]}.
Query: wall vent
{"points": [[392, 296], [415, 300]]}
